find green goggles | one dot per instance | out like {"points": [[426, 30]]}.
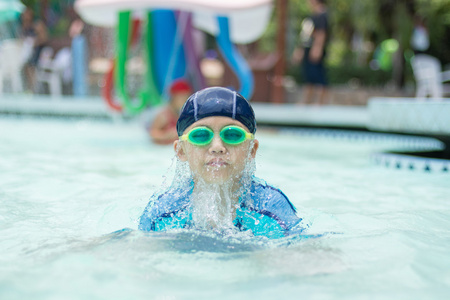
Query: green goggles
{"points": [[202, 136]]}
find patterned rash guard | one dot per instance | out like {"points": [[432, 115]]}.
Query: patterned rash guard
{"points": [[269, 213]]}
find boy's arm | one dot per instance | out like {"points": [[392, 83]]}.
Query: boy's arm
{"points": [[165, 211], [320, 36], [281, 209], [147, 219], [297, 55], [159, 134]]}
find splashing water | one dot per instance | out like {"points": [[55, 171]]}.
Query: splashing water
{"points": [[214, 204]]}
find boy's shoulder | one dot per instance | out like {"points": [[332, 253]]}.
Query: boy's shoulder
{"points": [[164, 204], [267, 193], [169, 201], [271, 201]]}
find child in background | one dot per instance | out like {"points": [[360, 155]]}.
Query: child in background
{"points": [[163, 129], [217, 189]]}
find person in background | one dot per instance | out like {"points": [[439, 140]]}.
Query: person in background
{"points": [[37, 32], [27, 28], [311, 52], [420, 41], [163, 129]]}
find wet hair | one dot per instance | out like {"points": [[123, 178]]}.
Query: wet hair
{"points": [[216, 101]]}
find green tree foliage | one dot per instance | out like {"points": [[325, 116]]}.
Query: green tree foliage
{"points": [[358, 27], [57, 14]]}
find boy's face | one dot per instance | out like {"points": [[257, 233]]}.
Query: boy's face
{"points": [[216, 162]]}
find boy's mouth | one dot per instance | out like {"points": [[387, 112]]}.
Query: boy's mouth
{"points": [[217, 163]]}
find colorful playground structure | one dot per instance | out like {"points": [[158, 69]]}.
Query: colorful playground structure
{"points": [[169, 49]]}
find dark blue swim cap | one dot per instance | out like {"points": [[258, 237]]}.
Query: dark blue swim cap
{"points": [[216, 101]]}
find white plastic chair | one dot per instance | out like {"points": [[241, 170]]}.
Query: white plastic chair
{"points": [[13, 55], [54, 71], [430, 80]]}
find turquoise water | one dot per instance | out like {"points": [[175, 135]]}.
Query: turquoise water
{"points": [[65, 186]]}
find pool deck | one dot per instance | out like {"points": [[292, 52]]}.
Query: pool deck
{"points": [[44, 105], [422, 116], [267, 114], [399, 115], [334, 116], [388, 115]]}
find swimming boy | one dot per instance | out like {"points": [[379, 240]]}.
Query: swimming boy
{"points": [[217, 146]]}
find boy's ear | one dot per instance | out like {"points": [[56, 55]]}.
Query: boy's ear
{"points": [[254, 148], [179, 151]]}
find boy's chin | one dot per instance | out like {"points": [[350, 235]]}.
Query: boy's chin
{"points": [[217, 180], [215, 177]]}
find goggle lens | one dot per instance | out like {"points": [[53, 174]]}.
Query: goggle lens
{"points": [[232, 135], [200, 136]]}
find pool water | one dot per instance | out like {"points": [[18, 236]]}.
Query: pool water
{"points": [[68, 186]]}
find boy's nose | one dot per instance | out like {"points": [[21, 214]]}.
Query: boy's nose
{"points": [[217, 145]]}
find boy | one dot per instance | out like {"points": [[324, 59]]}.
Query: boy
{"points": [[217, 190], [163, 129]]}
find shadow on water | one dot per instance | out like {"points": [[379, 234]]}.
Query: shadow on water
{"points": [[188, 249], [191, 241], [183, 261]]}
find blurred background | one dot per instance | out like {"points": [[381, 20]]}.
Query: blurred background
{"points": [[358, 66]]}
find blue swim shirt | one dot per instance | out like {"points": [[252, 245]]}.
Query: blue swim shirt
{"points": [[267, 213]]}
